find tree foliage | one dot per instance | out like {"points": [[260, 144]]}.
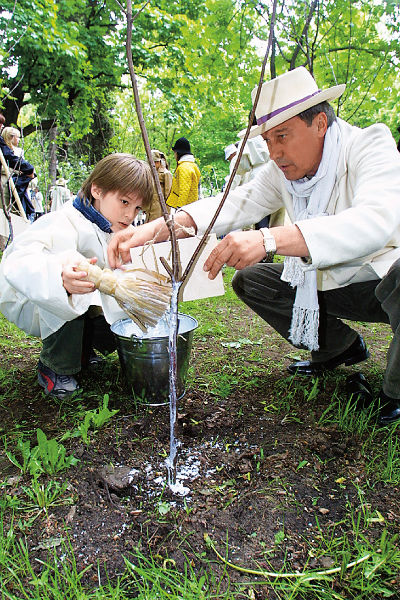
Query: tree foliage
{"points": [[64, 61]]}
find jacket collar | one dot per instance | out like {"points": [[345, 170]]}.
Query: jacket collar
{"points": [[91, 214], [186, 158]]}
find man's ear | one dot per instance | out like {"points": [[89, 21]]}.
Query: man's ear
{"points": [[322, 123], [95, 191]]}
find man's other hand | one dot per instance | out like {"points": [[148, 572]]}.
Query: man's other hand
{"points": [[238, 249]]}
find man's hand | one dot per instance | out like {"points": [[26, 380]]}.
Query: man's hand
{"points": [[239, 249], [74, 281]]}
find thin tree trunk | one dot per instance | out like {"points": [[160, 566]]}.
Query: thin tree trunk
{"points": [[52, 155]]}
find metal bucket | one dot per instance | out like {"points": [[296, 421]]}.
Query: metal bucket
{"points": [[145, 359]]}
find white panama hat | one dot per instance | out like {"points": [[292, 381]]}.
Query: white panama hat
{"points": [[287, 96], [229, 150]]}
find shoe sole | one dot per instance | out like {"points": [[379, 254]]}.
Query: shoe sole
{"points": [[42, 380], [320, 370]]}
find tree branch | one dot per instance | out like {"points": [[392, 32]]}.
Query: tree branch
{"points": [[251, 117], [168, 219]]}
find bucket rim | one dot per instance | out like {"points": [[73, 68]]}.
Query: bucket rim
{"points": [[160, 337]]}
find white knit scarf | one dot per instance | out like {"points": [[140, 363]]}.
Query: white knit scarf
{"points": [[310, 200]]}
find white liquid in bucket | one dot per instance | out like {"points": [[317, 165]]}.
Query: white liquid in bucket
{"points": [[127, 328]]}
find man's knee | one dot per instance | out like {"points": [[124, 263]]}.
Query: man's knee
{"points": [[388, 294], [237, 283], [390, 283], [260, 280]]}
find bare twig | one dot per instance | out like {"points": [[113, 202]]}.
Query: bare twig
{"points": [[251, 117], [176, 280], [168, 219]]}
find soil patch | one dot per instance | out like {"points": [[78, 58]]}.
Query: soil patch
{"points": [[268, 476]]}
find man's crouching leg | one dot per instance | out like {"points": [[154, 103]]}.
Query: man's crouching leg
{"points": [[261, 288], [388, 293]]}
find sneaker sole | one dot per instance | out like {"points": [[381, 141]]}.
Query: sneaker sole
{"points": [[60, 394]]}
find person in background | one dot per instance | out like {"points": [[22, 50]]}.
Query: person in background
{"points": [[186, 179], [255, 156], [59, 194], [230, 152], [342, 248], [12, 136], [43, 292], [21, 170], [37, 201], [165, 177]]}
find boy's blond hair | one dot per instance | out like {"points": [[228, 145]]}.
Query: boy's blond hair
{"points": [[123, 173]]}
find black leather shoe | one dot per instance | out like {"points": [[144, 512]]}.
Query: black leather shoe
{"points": [[357, 352], [359, 391], [390, 409]]}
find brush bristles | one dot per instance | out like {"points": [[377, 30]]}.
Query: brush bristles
{"points": [[143, 295]]}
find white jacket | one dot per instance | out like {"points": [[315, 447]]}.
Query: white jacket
{"points": [[360, 239], [31, 289], [255, 156]]}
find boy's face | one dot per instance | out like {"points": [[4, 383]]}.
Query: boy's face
{"points": [[118, 208]]}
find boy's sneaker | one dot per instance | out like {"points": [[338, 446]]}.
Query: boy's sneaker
{"points": [[92, 361], [59, 386]]}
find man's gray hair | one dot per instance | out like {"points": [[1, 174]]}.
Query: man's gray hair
{"points": [[308, 115]]}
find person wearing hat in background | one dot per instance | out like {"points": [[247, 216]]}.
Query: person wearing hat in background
{"points": [[165, 177], [342, 250], [230, 153], [37, 200], [186, 179], [254, 157], [59, 194]]}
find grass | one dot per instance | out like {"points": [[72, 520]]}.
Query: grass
{"points": [[236, 365]]}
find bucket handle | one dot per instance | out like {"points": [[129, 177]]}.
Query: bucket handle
{"points": [[135, 339]]}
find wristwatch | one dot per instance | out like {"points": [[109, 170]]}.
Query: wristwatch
{"points": [[269, 245]]}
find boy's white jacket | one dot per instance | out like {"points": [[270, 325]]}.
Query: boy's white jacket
{"points": [[360, 238], [31, 289]]}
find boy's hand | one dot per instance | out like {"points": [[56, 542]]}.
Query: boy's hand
{"points": [[74, 281]]}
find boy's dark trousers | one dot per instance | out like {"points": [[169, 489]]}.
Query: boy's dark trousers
{"points": [[69, 348]]}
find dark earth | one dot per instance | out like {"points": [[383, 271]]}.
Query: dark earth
{"points": [[271, 471]]}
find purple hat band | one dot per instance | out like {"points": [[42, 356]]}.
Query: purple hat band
{"points": [[279, 110]]}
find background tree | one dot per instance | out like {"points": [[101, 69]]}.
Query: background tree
{"points": [[197, 62]]}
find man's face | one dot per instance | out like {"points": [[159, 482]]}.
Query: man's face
{"points": [[295, 147]]}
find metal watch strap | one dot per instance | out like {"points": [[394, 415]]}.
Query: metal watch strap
{"points": [[269, 244]]}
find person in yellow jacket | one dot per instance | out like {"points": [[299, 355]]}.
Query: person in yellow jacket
{"points": [[185, 183]]}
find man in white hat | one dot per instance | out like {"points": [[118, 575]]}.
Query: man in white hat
{"points": [[59, 194], [254, 157], [340, 187]]}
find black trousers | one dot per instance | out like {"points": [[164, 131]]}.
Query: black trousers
{"points": [[377, 301], [66, 350]]}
